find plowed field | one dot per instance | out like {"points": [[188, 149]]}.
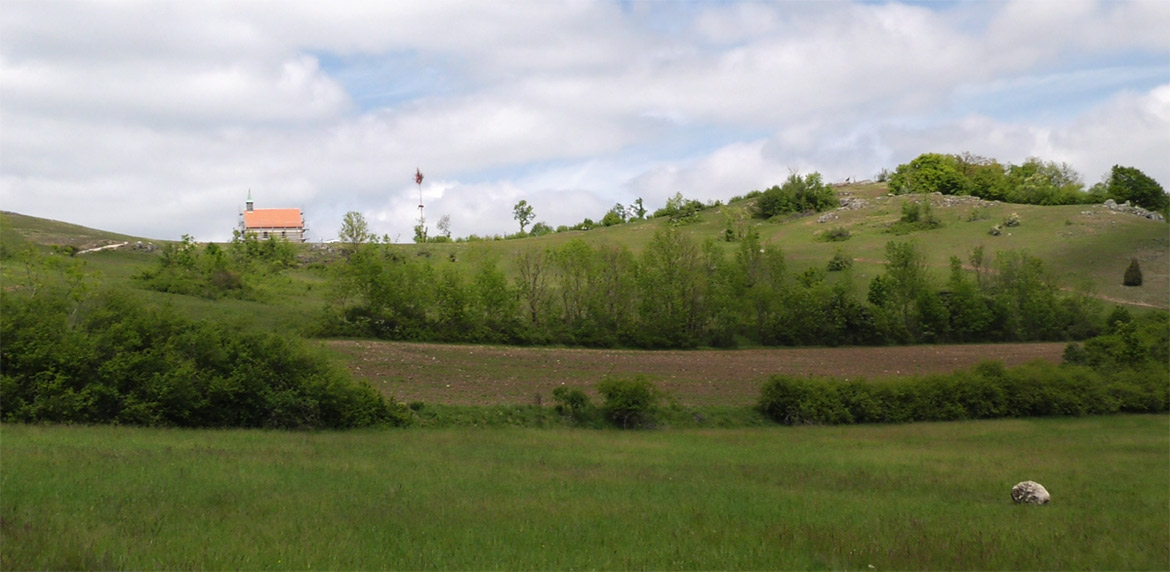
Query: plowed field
{"points": [[490, 375]]}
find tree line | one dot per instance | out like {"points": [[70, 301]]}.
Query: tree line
{"points": [[1035, 181], [679, 293]]}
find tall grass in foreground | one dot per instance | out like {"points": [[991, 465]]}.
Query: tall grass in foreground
{"points": [[923, 496]]}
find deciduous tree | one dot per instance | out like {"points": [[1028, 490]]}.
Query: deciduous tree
{"points": [[523, 213]]}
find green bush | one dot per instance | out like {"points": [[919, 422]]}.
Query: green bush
{"points": [[798, 401], [987, 391], [840, 261], [1133, 273], [915, 217], [680, 210], [214, 272], [114, 360], [572, 402], [837, 234], [1128, 344], [629, 403], [798, 194], [929, 173]]}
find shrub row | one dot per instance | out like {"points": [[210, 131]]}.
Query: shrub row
{"points": [[987, 391], [628, 403], [112, 360]]}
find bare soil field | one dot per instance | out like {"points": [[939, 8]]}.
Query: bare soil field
{"points": [[496, 375]]}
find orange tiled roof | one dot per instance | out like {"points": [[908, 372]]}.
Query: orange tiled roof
{"points": [[273, 218]]}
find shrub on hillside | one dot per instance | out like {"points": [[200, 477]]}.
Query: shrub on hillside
{"points": [[840, 261], [798, 194], [915, 217], [215, 272], [680, 210], [629, 403], [836, 234], [116, 361], [1133, 273]]}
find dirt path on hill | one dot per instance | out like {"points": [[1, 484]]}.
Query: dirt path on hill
{"points": [[483, 375]]}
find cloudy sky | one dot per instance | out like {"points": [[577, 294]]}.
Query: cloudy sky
{"points": [[156, 118]]}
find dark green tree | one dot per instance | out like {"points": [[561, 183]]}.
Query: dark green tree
{"points": [[533, 281], [572, 266], [616, 215], [637, 210], [970, 317], [907, 276], [758, 275], [672, 287], [929, 173], [1130, 184], [495, 306], [1133, 274], [612, 288], [1027, 292]]}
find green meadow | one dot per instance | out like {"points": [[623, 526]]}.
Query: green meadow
{"points": [[923, 496]]}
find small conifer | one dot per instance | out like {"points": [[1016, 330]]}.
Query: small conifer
{"points": [[1133, 274]]}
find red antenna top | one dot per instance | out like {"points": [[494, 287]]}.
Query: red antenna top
{"points": [[418, 176]]}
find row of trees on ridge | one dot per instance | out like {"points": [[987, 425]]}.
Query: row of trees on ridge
{"points": [[679, 293], [1033, 182]]}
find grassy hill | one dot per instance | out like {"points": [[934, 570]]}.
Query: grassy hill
{"points": [[1084, 246]]}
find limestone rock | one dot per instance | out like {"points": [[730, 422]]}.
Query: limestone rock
{"points": [[1127, 208], [1030, 492]]}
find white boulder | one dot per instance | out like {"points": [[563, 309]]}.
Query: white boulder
{"points": [[1030, 492]]}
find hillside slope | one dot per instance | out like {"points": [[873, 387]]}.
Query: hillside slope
{"points": [[1086, 247]]}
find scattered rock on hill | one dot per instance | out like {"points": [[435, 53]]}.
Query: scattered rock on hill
{"points": [[1126, 208], [1030, 492], [847, 202]]}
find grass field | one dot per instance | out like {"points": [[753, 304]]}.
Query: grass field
{"points": [[926, 496]]}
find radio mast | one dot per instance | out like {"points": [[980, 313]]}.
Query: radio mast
{"points": [[420, 234]]}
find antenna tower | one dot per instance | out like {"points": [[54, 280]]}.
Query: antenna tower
{"points": [[422, 229]]}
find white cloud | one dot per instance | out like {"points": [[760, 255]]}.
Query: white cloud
{"points": [[156, 118], [727, 172]]}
